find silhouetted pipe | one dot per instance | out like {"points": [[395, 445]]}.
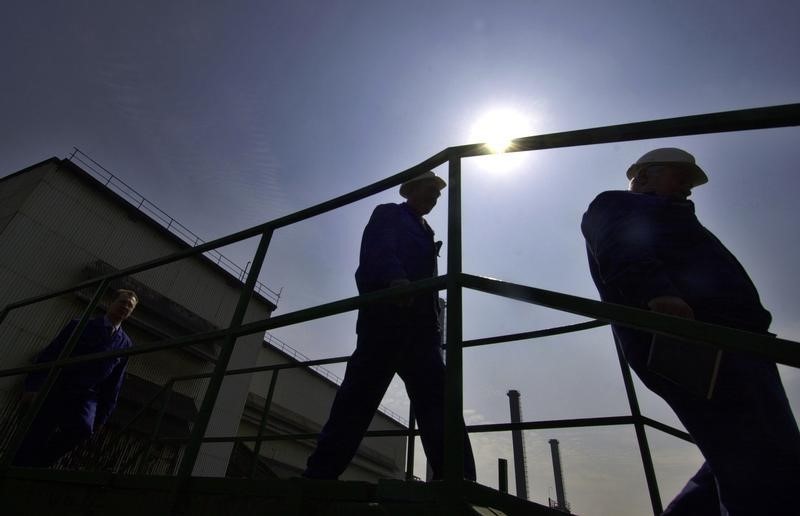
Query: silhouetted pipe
{"points": [[561, 497], [518, 444], [502, 475]]}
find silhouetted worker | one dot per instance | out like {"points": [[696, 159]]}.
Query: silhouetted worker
{"points": [[84, 396], [400, 337], [648, 250]]}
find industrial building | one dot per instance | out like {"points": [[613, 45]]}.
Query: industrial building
{"points": [[61, 224]]}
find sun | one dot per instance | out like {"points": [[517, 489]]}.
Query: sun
{"points": [[498, 127]]}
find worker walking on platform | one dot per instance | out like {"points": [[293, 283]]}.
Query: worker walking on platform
{"points": [[84, 396], [648, 250], [396, 336]]}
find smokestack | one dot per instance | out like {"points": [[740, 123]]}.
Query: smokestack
{"points": [[561, 498], [520, 463], [502, 475]]}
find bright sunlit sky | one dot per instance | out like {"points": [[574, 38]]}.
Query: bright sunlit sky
{"points": [[228, 114]]}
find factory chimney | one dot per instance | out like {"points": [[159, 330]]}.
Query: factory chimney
{"points": [[518, 444], [561, 497]]}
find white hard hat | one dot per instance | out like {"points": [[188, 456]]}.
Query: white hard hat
{"points": [[670, 156], [426, 176]]}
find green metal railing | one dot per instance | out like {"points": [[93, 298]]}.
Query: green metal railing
{"points": [[780, 350]]}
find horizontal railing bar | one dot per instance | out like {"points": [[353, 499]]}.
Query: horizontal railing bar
{"points": [[316, 312], [478, 342], [553, 423], [281, 437], [786, 115], [494, 427], [549, 332], [780, 350], [680, 434], [266, 368]]}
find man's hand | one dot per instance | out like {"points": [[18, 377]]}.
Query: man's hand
{"points": [[403, 300], [671, 305]]}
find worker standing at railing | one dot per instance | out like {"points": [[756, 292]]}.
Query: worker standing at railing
{"points": [[648, 250], [398, 336], [84, 396]]}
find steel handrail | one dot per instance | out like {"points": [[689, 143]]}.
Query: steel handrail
{"points": [[738, 120], [780, 350]]}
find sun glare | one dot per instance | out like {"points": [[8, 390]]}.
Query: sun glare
{"points": [[498, 128]]}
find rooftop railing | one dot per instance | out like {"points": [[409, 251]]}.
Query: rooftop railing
{"points": [[780, 350], [134, 198]]}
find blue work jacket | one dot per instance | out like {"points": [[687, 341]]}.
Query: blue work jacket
{"points": [[397, 244], [98, 382], [642, 246]]}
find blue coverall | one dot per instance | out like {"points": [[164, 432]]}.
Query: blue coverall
{"points": [[396, 244], [643, 246], [83, 397]]}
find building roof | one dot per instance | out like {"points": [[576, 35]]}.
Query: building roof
{"points": [[135, 213]]}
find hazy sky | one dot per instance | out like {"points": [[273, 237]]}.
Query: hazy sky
{"points": [[230, 114]]}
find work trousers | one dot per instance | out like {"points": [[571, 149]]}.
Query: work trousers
{"points": [[64, 422], [415, 356], [746, 433]]}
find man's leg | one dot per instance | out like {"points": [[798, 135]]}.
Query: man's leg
{"points": [[369, 371], [30, 453], [423, 372], [747, 432], [749, 437], [63, 423]]}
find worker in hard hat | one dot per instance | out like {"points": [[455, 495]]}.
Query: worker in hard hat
{"points": [[401, 336], [647, 250]]}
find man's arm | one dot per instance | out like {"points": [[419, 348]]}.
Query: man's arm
{"points": [[35, 380], [622, 238]]}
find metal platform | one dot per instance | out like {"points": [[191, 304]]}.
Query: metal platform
{"points": [[72, 493]]}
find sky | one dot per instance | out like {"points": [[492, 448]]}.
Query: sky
{"points": [[226, 115]]}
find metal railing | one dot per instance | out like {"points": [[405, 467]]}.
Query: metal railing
{"points": [[780, 350]]}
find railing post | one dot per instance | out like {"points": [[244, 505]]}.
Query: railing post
{"points": [[273, 380], [641, 436], [454, 432], [410, 445], [215, 382], [52, 375]]}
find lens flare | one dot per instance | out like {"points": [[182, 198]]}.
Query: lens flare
{"points": [[497, 129]]}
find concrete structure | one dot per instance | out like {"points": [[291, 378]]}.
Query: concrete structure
{"points": [[59, 226]]}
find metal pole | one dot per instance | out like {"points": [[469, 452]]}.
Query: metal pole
{"points": [[454, 431], [273, 380], [215, 382], [641, 436], [410, 445], [52, 377]]}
